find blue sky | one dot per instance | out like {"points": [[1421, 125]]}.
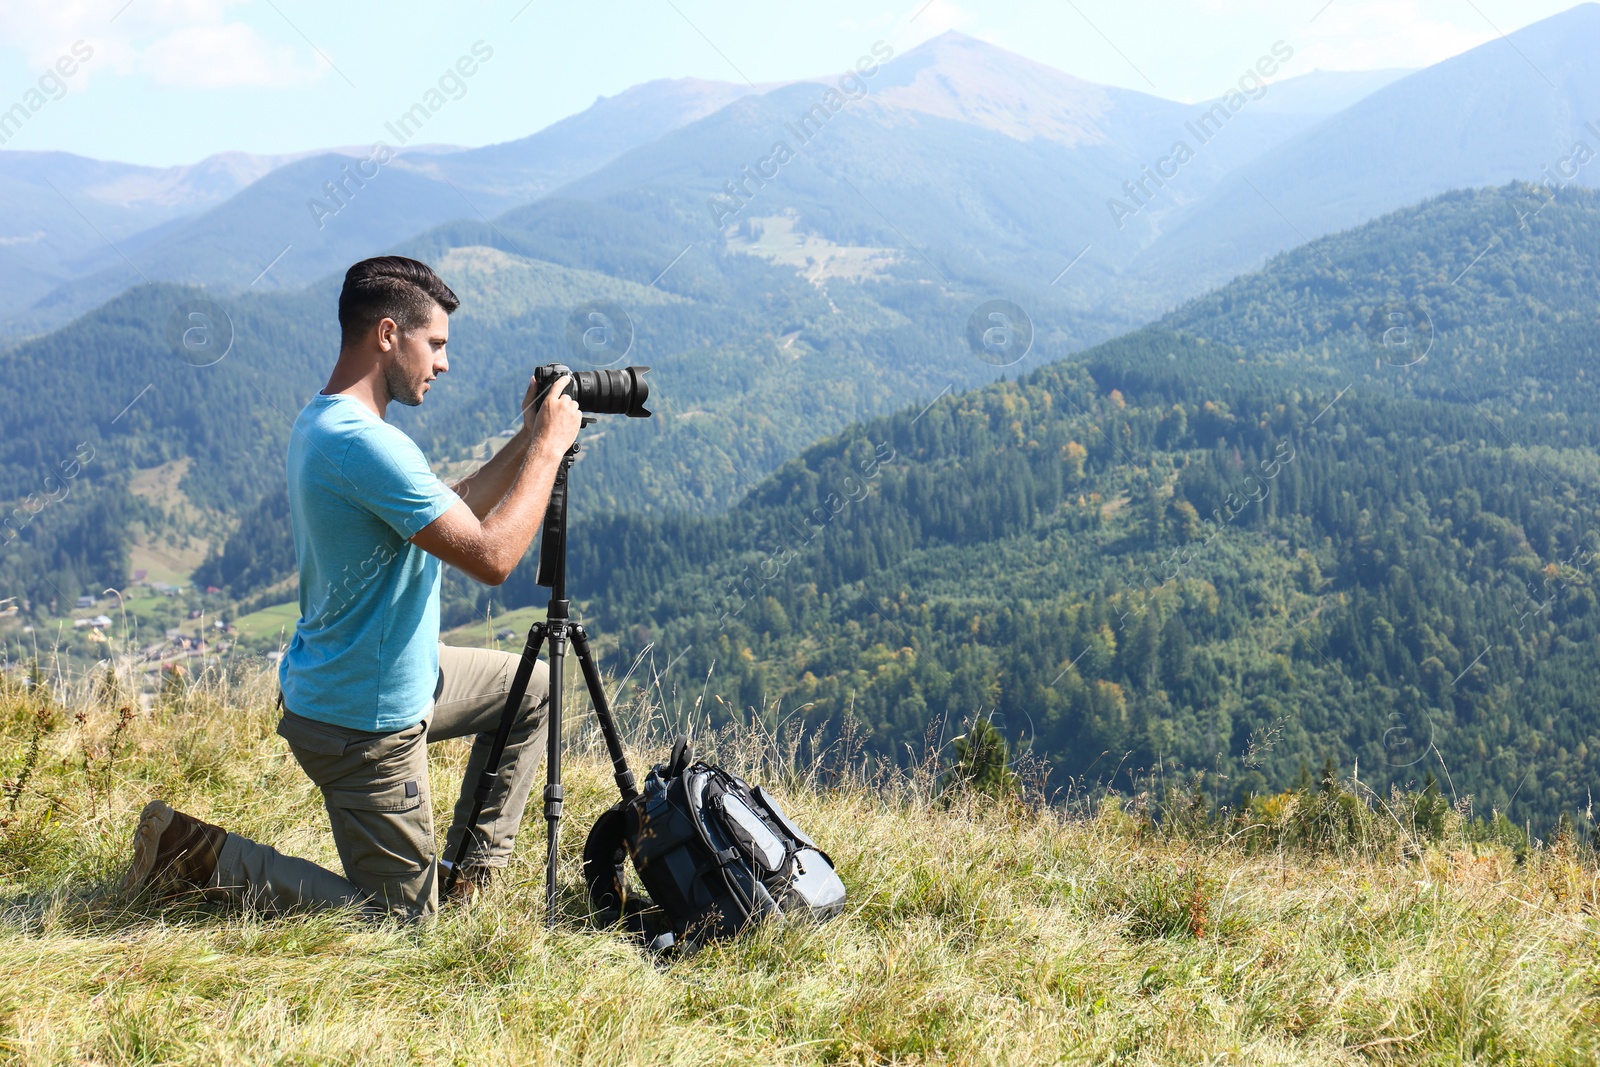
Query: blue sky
{"points": [[172, 81]]}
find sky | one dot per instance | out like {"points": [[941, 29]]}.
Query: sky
{"points": [[171, 81]]}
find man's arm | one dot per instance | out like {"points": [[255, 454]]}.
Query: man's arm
{"points": [[488, 546], [488, 485]]}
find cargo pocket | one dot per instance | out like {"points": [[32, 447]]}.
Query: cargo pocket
{"points": [[383, 832], [391, 747]]}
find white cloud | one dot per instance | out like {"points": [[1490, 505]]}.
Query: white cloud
{"points": [[178, 43], [42, 32], [216, 57]]}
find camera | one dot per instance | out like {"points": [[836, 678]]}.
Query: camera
{"points": [[600, 392]]}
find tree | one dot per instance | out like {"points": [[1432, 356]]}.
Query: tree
{"points": [[981, 761]]}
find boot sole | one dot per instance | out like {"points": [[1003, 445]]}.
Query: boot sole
{"points": [[153, 822]]}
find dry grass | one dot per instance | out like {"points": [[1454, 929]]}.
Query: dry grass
{"points": [[978, 932]]}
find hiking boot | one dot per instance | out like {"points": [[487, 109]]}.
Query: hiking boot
{"points": [[173, 853], [471, 882]]}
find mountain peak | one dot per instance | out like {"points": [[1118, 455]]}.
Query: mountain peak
{"points": [[965, 79]]}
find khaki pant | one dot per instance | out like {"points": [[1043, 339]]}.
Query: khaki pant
{"points": [[376, 790]]}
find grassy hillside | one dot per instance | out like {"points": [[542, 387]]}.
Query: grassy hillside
{"points": [[977, 931]]}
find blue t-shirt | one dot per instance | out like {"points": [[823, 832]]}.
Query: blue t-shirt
{"points": [[366, 651]]}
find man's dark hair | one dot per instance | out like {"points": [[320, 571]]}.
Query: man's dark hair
{"points": [[391, 287]]}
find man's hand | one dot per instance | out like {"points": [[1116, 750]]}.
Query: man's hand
{"points": [[555, 423], [486, 543], [530, 400]]}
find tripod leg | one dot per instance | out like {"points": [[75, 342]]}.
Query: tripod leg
{"points": [[602, 708], [502, 734], [552, 791]]}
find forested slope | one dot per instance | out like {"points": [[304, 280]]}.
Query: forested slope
{"points": [[1245, 540]]}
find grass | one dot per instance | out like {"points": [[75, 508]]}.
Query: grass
{"points": [[978, 931]]}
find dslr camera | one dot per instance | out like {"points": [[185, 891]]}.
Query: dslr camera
{"points": [[599, 392]]}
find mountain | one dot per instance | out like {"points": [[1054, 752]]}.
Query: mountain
{"points": [[1525, 107], [151, 193], [955, 174], [965, 159], [62, 208], [979, 167], [196, 230], [516, 172], [230, 246], [1036, 152], [1241, 542], [751, 361], [1023, 136], [839, 287], [1324, 92]]}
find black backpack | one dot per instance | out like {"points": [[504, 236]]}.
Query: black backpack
{"points": [[714, 854]]}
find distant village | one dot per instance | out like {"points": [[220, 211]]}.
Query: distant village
{"points": [[97, 620]]}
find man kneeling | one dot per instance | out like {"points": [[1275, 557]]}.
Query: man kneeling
{"points": [[365, 684]]}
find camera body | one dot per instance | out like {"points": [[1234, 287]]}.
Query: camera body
{"points": [[600, 392]]}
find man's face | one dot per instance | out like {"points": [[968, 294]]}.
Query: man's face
{"points": [[414, 357]]}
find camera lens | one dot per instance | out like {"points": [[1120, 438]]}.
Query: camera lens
{"points": [[613, 392]]}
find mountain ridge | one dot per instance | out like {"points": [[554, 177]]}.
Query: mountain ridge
{"points": [[227, 244], [1448, 126]]}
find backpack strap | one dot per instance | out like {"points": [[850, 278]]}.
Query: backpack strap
{"points": [[605, 856], [682, 756]]}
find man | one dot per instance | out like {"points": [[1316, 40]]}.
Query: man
{"points": [[365, 684]]}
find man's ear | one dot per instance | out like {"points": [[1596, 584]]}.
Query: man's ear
{"points": [[388, 334]]}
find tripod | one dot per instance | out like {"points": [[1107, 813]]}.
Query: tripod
{"points": [[557, 628]]}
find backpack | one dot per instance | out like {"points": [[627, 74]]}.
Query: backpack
{"points": [[714, 854]]}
